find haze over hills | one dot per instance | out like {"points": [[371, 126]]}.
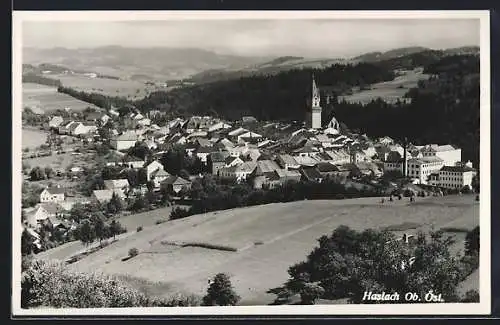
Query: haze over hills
{"points": [[159, 63], [196, 65]]}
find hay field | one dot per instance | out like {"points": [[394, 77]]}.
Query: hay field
{"points": [[388, 91], [46, 99], [129, 89], [32, 138], [285, 233]]}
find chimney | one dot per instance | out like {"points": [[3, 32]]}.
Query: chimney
{"points": [[405, 158]]}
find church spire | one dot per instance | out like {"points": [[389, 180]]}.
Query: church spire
{"points": [[315, 93]]}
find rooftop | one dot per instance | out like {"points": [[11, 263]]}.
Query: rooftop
{"points": [[457, 169]]}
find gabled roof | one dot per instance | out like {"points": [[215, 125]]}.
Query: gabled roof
{"points": [[50, 207], [246, 167], [129, 158], [311, 173], [160, 173], [219, 156], [127, 136], [176, 180], [116, 183], [325, 167], [56, 190], [203, 149], [287, 159], [265, 166]]}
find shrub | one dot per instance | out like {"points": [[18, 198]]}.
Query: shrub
{"points": [[133, 252], [158, 222], [310, 292], [139, 228], [471, 296], [179, 213], [50, 284]]}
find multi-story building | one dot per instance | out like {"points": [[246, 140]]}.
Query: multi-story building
{"points": [[449, 154], [453, 177], [419, 169]]}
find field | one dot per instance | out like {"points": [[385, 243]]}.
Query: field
{"points": [[389, 91], [130, 89], [268, 239], [32, 138], [43, 98]]}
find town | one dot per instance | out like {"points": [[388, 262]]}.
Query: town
{"points": [[125, 159]]}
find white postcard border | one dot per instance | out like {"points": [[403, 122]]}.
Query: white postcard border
{"points": [[359, 309]]}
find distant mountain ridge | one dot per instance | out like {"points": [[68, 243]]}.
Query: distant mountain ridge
{"points": [[404, 51], [159, 63], [203, 66]]}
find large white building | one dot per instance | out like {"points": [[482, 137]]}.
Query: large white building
{"points": [[419, 169], [449, 154], [453, 177], [313, 118]]}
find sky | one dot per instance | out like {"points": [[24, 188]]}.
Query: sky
{"points": [[308, 38]]}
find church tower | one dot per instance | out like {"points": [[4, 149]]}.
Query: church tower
{"points": [[313, 119]]}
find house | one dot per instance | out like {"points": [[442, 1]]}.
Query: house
{"points": [[219, 126], [233, 161], [104, 119], [287, 162], [153, 167], [305, 151], [64, 127], [311, 174], [144, 122], [133, 162], [35, 237], [217, 160], [54, 194], [93, 116], [117, 184], [159, 176], [306, 161], [77, 128], [239, 172], [386, 140], [327, 169], [36, 216], [175, 184], [248, 136], [248, 119], [271, 179], [236, 132], [124, 141], [55, 122], [104, 196], [367, 168], [203, 152]]}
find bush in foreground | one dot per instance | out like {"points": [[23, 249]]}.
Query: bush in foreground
{"points": [[133, 252], [50, 284]]}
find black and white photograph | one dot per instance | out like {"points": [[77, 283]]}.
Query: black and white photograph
{"points": [[244, 163]]}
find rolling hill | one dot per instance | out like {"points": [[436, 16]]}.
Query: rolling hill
{"points": [[268, 239], [160, 63]]}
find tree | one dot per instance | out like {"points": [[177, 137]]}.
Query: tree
{"points": [[114, 205], [86, 233], [26, 243], [99, 228], [349, 263], [472, 241], [139, 203], [49, 173], [37, 174], [220, 292], [114, 228]]}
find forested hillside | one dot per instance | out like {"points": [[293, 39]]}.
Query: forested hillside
{"points": [[444, 109]]}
